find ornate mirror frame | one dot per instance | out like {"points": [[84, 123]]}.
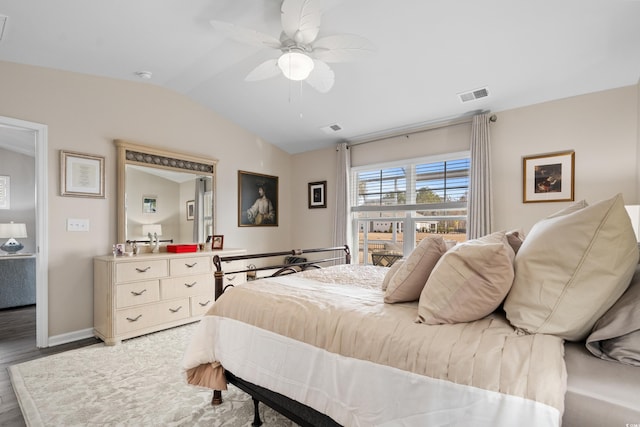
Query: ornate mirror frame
{"points": [[129, 153]]}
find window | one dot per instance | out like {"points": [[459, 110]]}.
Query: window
{"points": [[397, 205]]}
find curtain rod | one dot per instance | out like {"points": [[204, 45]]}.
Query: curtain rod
{"points": [[440, 125]]}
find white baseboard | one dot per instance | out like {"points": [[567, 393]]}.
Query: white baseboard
{"points": [[70, 337]]}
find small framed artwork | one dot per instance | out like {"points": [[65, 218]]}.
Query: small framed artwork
{"points": [[217, 242], [81, 175], [548, 177], [257, 200], [317, 194], [149, 204], [191, 206], [5, 187]]}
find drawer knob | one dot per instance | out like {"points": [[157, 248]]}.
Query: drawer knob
{"points": [[175, 310], [143, 270], [135, 319], [137, 294], [191, 265], [203, 304], [190, 285]]}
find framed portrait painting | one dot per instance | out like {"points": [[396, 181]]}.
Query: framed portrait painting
{"points": [[81, 175], [548, 177], [257, 200], [317, 194]]}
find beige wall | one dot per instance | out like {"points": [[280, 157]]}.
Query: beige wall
{"points": [[601, 127], [85, 114]]}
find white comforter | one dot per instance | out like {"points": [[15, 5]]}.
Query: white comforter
{"points": [[340, 350]]}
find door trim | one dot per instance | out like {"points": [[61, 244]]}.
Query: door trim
{"points": [[42, 229]]}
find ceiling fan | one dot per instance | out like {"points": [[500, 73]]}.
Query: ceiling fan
{"points": [[303, 56]]}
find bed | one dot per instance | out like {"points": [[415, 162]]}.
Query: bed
{"points": [[352, 345]]}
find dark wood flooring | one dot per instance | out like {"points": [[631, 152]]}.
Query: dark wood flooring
{"points": [[17, 345]]}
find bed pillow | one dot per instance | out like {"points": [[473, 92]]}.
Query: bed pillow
{"points": [[408, 281], [391, 272], [515, 239], [616, 335], [469, 281], [571, 268]]}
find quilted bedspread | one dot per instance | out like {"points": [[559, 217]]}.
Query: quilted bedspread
{"points": [[279, 332]]}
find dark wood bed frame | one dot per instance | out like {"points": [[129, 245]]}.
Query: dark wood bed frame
{"points": [[293, 410]]}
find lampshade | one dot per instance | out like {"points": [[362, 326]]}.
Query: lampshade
{"points": [[13, 229], [152, 229], [634, 214], [295, 65]]}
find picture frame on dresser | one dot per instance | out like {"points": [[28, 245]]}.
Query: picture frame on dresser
{"points": [[548, 177], [81, 175]]}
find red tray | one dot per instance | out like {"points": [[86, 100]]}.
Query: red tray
{"points": [[182, 248]]}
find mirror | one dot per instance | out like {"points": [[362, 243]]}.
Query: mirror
{"points": [[163, 192]]}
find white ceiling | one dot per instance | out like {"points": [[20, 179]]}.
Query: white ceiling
{"points": [[524, 52]]}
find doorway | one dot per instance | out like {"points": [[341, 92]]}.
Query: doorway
{"points": [[36, 133]]}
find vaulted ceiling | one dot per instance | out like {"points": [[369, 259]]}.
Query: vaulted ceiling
{"points": [[427, 53]]}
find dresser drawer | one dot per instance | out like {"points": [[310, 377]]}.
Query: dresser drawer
{"points": [[145, 316], [200, 304], [137, 293], [177, 287], [234, 278], [192, 265], [141, 270]]}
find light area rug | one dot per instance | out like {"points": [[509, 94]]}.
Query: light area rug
{"points": [[136, 383]]}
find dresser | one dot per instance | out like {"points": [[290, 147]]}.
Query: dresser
{"points": [[136, 295]]}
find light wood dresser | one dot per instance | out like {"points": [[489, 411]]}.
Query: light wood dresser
{"points": [[136, 295]]}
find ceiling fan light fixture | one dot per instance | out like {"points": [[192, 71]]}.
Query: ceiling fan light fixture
{"points": [[295, 65]]}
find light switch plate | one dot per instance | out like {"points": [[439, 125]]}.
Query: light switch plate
{"points": [[77, 224]]}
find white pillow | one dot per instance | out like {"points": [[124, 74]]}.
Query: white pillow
{"points": [[408, 281], [571, 269], [469, 282]]}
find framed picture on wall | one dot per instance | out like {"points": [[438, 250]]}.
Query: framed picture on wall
{"points": [[149, 204], [81, 175], [257, 200], [191, 206], [548, 177], [5, 188], [317, 194]]}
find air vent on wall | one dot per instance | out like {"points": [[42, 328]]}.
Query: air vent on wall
{"points": [[474, 94], [330, 129]]}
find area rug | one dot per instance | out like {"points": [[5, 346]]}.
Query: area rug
{"points": [[136, 383]]}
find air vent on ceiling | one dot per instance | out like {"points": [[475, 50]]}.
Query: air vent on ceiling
{"points": [[3, 23], [332, 128], [474, 94]]}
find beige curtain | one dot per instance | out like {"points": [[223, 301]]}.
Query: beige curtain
{"points": [[480, 204], [342, 224]]}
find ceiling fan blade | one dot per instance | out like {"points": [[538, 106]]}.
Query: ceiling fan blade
{"points": [[264, 71], [342, 48], [245, 35], [322, 77], [301, 20]]}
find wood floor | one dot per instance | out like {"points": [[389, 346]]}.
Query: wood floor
{"points": [[17, 345]]}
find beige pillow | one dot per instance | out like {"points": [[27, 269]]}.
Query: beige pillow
{"points": [[571, 269], [469, 282], [407, 283], [515, 239], [392, 271]]}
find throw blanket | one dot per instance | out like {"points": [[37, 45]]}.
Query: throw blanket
{"points": [[279, 332]]}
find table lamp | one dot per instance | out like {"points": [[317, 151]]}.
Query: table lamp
{"points": [[13, 230]]}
